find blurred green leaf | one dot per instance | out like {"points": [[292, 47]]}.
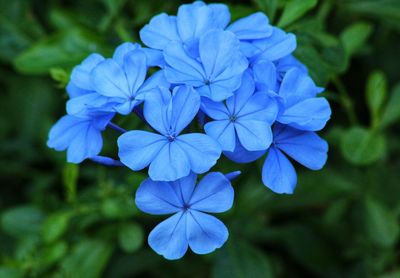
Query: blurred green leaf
{"points": [[70, 179], [64, 49], [130, 237], [294, 10], [10, 272], [54, 252], [376, 95], [54, 226], [22, 221], [391, 113], [121, 207], [88, 259], [268, 6], [384, 9], [239, 259], [361, 146], [355, 36], [382, 226]]}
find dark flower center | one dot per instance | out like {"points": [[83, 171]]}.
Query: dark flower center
{"points": [[232, 118]]}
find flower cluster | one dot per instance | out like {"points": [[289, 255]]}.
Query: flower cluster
{"points": [[237, 81]]}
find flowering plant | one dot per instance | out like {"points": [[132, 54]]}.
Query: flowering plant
{"points": [[204, 87]]}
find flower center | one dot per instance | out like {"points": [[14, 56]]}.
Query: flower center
{"points": [[207, 82], [186, 207], [171, 137], [232, 118]]}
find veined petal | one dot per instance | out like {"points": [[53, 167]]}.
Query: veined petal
{"points": [[265, 76], [135, 69], [242, 95], [156, 80], [184, 187], [80, 75], [213, 109], [310, 114], [261, 107], [214, 193], [157, 198], [122, 50], [169, 238], [160, 31], [217, 49], [155, 109], [220, 15], [254, 135], [278, 174], [93, 101], [170, 164], [110, 80], [205, 233], [185, 105], [253, 27], [305, 147], [201, 150], [224, 132], [241, 155], [137, 149]]}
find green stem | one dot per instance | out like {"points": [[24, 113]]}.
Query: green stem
{"points": [[345, 100]]}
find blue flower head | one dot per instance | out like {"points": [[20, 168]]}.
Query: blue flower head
{"points": [[190, 226], [170, 155]]}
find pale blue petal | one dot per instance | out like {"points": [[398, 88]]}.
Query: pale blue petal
{"points": [[224, 132], [122, 50], [160, 31], [62, 133], [217, 50], [110, 80], [74, 91], [157, 198], [169, 238], [126, 107], [81, 105], [154, 57], [185, 105], [278, 173], [242, 95], [265, 76], [155, 109], [260, 106], [297, 86], [289, 62], [277, 46], [80, 75], [213, 109], [254, 135], [220, 15], [241, 155], [252, 27], [137, 149], [156, 80], [202, 151], [184, 188], [205, 233], [170, 164], [214, 193], [134, 65], [310, 114], [305, 147]]}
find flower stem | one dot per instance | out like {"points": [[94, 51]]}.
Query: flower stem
{"points": [[107, 161], [116, 127], [345, 100]]}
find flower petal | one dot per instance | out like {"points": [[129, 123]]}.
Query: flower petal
{"points": [[169, 237], [62, 133], [80, 75], [305, 147], [170, 164], [214, 193], [185, 105], [254, 135], [135, 69], [201, 150], [310, 114], [242, 95], [160, 31], [278, 173], [241, 155], [265, 76], [261, 106], [137, 149], [213, 109], [222, 131], [110, 80], [122, 50], [205, 233], [157, 198], [221, 15], [252, 27], [155, 109], [184, 187]]}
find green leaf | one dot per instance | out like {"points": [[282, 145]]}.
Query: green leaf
{"points": [[64, 49], [361, 146], [268, 6], [70, 179], [22, 221], [54, 252], [10, 272], [382, 226], [355, 36], [391, 113], [383, 9], [376, 95], [119, 207], [130, 237], [54, 226], [294, 10], [239, 259], [88, 259]]}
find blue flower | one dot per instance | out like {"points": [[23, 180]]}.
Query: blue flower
{"points": [[113, 85], [246, 116], [170, 155], [218, 71], [305, 147], [81, 136], [190, 226]]}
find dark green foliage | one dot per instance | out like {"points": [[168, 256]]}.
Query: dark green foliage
{"points": [[61, 220]]}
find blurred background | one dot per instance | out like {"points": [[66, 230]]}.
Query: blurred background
{"points": [[64, 220]]}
